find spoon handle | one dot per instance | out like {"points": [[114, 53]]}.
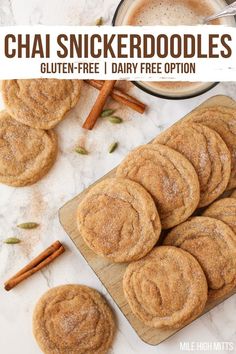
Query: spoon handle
{"points": [[229, 10]]}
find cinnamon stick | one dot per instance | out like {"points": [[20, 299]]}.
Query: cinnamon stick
{"points": [[99, 104], [43, 259], [120, 96]]}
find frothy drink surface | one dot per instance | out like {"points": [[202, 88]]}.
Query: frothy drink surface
{"points": [[171, 13]]}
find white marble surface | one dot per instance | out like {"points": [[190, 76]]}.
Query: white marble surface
{"points": [[70, 175]]}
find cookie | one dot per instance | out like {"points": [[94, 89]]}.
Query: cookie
{"points": [[118, 220], [40, 103], [26, 154], [223, 121], [224, 210], [168, 176], [213, 244], [73, 319], [166, 289], [233, 194], [207, 152]]}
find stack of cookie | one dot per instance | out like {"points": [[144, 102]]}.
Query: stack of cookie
{"points": [[28, 145], [158, 187]]}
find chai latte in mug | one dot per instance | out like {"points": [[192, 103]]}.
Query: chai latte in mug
{"points": [[172, 13]]}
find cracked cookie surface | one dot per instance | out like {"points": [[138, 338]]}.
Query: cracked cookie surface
{"points": [[73, 319], [213, 244], [224, 210], [168, 176], [223, 120], [40, 103], [166, 289], [118, 220], [26, 154], [207, 152]]}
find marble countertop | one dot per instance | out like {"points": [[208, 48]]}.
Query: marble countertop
{"points": [[70, 175]]}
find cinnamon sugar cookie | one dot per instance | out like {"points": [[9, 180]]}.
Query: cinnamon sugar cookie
{"points": [[73, 319], [166, 289], [26, 154], [213, 244], [40, 103], [168, 176], [118, 220], [223, 120], [207, 152], [224, 210]]}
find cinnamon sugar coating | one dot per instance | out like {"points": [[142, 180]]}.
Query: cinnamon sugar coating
{"points": [[207, 152], [26, 154], [223, 120], [166, 289], [224, 210], [213, 244], [168, 176], [118, 220], [73, 319], [40, 103]]}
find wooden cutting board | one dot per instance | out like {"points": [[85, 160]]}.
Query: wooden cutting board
{"points": [[111, 274]]}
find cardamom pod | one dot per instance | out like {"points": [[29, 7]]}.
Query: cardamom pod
{"points": [[99, 21], [113, 147], [115, 120], [28, 225], [107, 113], [80, 150], [12, 240]]}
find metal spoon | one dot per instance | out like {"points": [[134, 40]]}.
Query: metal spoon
{"points": [[229, 10]]}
